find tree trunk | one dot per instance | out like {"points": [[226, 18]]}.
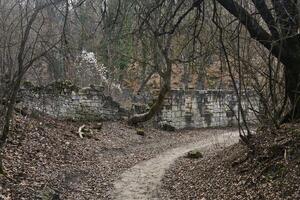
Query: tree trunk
{"points": [[8, 117], [292, 81], [292, 77], [156, 106]]}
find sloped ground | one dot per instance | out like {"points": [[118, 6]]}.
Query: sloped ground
{"points": [[272, 173], [47, 157]]}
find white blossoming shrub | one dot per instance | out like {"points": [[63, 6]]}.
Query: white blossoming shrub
{"points": [[90, 71]]}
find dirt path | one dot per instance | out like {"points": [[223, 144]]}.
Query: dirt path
{"points": [[144, 179]]}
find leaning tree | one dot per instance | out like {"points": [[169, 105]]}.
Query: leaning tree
{"points": [[278, 34]]}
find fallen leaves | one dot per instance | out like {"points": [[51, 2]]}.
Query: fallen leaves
{"points": [[48, 153], [272, 174]]}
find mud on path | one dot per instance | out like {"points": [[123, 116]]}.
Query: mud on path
{"points": [[48, 154], [143, 181]]}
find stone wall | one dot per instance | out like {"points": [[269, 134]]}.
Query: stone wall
{"points": [[72, 103], [205, 108], [182, 109]]}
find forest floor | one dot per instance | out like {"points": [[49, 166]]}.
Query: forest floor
{"points": [[46, 158], [272, 172]]}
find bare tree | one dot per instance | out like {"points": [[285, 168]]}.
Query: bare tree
{"points": [[24, 46], [158, 20]]}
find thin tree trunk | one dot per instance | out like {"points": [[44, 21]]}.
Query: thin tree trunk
{"points": [[8, 117]]}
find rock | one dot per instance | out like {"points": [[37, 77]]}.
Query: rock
{"points": [[98, 88], [28, 85], [98, 126], [140, 132], [167, 127], [48, 194], [194, 154]]}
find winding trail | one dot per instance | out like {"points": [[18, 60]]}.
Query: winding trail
{"points": [[143, 180]]}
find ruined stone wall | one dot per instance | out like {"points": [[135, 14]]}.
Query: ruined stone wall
{"points": [[81, 104], [182, 109], [205, 108]]}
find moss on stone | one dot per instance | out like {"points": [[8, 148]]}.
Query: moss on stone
{"points": [[48, 194], [28, 84], [194, 154], [62, 87], [140, 132]]}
